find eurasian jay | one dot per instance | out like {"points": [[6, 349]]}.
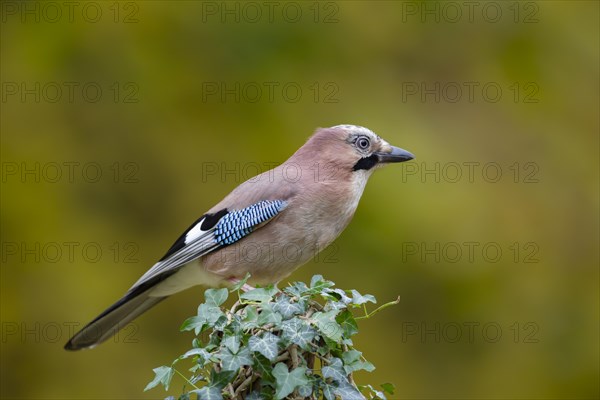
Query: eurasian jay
{"points": [[268, 226]]}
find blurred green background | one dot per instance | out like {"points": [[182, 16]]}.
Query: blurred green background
{"points": [[123, 122]]}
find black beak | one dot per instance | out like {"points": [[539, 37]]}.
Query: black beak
{"points": [[396, 155]]}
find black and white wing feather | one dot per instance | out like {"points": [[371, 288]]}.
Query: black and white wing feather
{"points": [[209, 233]]}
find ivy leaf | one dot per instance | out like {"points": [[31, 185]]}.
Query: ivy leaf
{"points": [[218, 380], [250, 319], [265, 345], [305, 391], [268, 316], [202, 354], [286, 308], [231, 342], [329, 391], [339, 295], [286, 381], [373, 393], [327, 325], [221, 379], [348, 392], [348, 323], [359, 299], [215, 297], [265, 369], [162, 375], [353, 362], [360, 365], [211, 314], [343, 388], [260, 295], [351, 356], [267, 320], [209, 393], [196, 323], [335, 371], [318, 285], [297, 289], [234, 361], [240, 284], [297, 332], [207, 315], [335, 305], [315, 280]]}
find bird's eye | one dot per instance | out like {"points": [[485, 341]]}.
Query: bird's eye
{"points": [[363, 143]]}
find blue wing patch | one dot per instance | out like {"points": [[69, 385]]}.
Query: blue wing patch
{"points": [[209, 233], [239, 223]]}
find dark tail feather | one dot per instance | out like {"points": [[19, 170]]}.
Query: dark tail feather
{"points": [[112, 320]]}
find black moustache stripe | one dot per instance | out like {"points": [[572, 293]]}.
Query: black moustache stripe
{"points": [[366, 163]]}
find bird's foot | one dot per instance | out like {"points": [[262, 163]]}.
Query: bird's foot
{"points": [[244, 288]]}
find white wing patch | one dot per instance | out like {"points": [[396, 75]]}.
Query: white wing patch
{"points": [[226, 227], [194, 233], [197, 244]]}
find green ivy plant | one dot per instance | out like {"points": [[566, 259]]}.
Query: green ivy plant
{"points": [[293, 343]]}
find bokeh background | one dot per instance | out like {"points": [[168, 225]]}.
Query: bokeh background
{"points": [[122, 122]]}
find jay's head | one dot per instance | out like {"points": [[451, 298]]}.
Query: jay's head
{"points": [[352, 148]]}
